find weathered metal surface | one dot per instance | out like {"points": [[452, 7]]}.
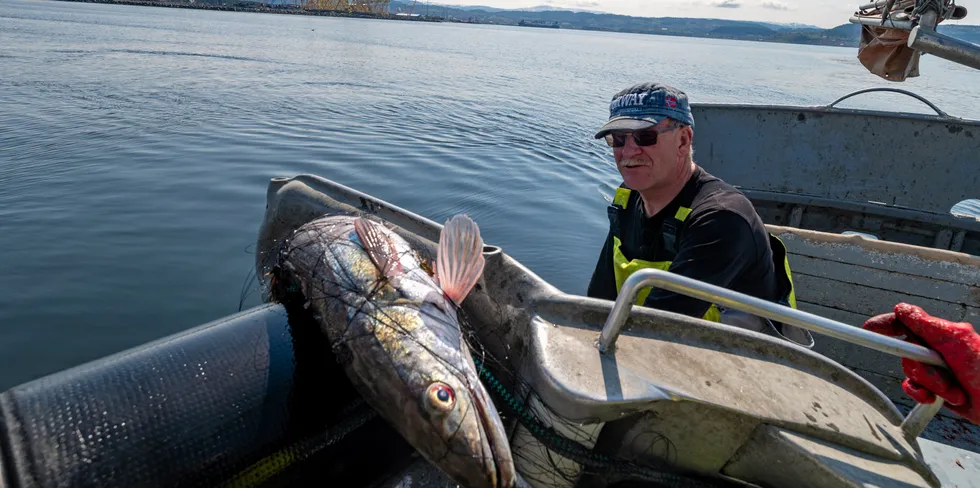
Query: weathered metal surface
{"points": [[666, 358], [876, 21], [861, 277], [918, 419], [551, 336], [946, 47], [955, 468], [702, 437], [885, 373], [897, 224], [949, 429], [834, 170], [841, 154], [869, 301], [848, 279], [935, 286], [913, 424], [954, 267], [777, 457]]}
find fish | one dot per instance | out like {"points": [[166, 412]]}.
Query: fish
{"points": [[396, 330]]}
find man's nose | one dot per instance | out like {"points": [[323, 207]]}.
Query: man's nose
{"points": [[630, 148]]}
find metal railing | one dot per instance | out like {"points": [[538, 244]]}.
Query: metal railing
{"points": [[914, 423]]}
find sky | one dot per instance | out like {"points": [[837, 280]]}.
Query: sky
{"points": [[822, 13]]}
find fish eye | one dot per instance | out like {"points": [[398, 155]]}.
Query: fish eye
{"points": [[439, 398]]}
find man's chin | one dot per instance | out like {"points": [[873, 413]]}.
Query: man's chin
{"points": [[636, 184]]}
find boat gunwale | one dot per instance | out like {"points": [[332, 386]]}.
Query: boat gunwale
{"points": [[825, 109], [881, 209]]}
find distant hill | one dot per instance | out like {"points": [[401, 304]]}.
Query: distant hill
{"points": [[473, 7], [538, 8], [843, 35], [548, 8], [743, 31], [846, 30], [793, 25]]}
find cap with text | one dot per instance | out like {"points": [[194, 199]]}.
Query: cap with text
{"points": [[646, 105]]}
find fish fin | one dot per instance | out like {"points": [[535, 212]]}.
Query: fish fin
{"points": [[379, 247], [459, 260]]}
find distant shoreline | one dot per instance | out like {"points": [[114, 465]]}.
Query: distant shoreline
{"points": [[257, 8], [248, 6]]}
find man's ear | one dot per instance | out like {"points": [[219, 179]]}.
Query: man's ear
{"points": [[684, 143]]}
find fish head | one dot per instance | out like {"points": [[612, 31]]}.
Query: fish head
{"points": [[447, 413]]}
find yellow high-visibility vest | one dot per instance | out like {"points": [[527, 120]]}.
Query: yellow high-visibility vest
{"points": [[624, 267]]}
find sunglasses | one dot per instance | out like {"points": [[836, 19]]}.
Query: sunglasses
{"points": [[642, 138]]}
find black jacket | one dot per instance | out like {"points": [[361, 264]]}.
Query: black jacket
{"points": [[723, 241]]}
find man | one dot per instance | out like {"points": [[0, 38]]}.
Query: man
{"points": [[671, 214]]}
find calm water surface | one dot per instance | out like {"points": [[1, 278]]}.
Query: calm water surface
{"points": [[136, 145]]}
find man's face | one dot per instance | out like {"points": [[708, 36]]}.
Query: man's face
{"points": [[646, 167]]}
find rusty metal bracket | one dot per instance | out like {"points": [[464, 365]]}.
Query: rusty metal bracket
{"points": [[913, 424]]}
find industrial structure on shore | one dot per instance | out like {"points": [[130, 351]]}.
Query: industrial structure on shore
{"points": [[375, 7]]}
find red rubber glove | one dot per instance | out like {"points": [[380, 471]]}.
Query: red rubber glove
{"points": [[956, 342]]}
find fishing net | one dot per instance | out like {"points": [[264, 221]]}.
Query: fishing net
{"points": [[324, 409], [549, 451]]}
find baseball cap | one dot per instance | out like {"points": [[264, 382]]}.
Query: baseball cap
{"points": [[644, 105]]}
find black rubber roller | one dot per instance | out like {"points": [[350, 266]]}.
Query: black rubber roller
{"points": [[233, 400]]}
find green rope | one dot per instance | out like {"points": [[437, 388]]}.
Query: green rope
{"points": [[551, 439]]}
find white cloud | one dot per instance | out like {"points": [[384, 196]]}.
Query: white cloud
{"points": [[727, 4], [775, 5]]}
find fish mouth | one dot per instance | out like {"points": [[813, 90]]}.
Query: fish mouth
{"points": [[497, 457]]}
